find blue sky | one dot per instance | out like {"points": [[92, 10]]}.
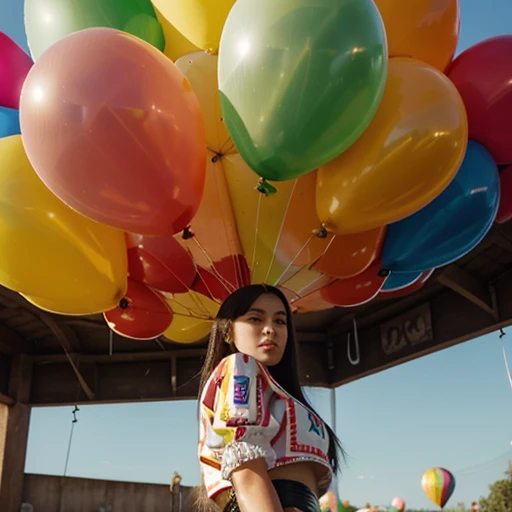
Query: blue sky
{"points": [[451, 409]]}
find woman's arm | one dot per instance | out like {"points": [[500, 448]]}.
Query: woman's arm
{"points": [[254, 489]]}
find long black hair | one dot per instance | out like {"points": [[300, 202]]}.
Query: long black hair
{"points": [[285, 373]]}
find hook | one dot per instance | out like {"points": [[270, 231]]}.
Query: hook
{"points": [[75, 410], [502, 333], [353, 361]]}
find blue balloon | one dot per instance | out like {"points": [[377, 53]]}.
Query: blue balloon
{"points": [[401, 280], [9, 122], [452, 224]]}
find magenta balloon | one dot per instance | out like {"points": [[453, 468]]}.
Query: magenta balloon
{"points": [[14, 67]]}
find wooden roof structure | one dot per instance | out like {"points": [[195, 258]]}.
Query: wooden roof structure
{"points": [[66, 360]]}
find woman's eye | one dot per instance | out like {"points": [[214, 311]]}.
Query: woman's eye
{"points": [[281, 322], [254, 319]]}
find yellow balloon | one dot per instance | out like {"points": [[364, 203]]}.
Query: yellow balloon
{"points": [[193, 316], [408, 155], [200, 68], [200, 21], [57, 258], [176, 44]]}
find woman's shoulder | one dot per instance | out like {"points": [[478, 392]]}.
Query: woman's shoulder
{"points": [[239, 364], [237, 370]]}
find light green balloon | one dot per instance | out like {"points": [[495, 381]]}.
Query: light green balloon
{"points": [[300, 80], [48, 21]]}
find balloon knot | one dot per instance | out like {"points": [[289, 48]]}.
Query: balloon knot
{"points": [[216, 158], [187, 234], [384, 272], [264, 187], [123, 303], [321, 232]]}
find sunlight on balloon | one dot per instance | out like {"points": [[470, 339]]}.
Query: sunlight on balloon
{"points": [[38, 94], [243, 47]]}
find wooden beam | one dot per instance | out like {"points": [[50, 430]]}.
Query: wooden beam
{"points": [[121, 357], [382, 310], [6, 400], [65, 336], [12, 343], [468, 287], [450, 319], [14, 425], [500, 238]]}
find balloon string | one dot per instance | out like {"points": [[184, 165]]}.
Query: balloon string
{"points": [[314, 290], [311, 265], [232, 252], [191, 312], [225, 283], [290, 264], [196, 317], [281, 228], [256, 229]]}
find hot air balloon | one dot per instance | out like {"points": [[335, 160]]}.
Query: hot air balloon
{"points": [[398, 503], [438, 484]]}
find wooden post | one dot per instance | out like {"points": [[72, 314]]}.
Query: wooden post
{"points": [[14, 425]]}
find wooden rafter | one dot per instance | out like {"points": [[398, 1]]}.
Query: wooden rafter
{"points": [[6, 400], [12, 343], [468, 287]]}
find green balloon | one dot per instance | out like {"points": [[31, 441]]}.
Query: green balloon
{"points": [[48, 21], [300, 80]]}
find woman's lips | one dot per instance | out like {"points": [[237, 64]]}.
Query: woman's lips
{"points": [[268, 345]]}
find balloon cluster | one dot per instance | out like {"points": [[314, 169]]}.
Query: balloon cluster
{"points": [[173, 151]]}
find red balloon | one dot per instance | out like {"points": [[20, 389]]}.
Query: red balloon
{"points": [[14, 67], [505, 209], [355, 290], [114, 130], [483, 76], [142, 314], [225, 276], [160, 262], [413, 287]]}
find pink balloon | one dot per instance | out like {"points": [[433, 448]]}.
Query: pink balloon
{"points": [[505, 209], [114, 130], [14, 67], [398, 503]]}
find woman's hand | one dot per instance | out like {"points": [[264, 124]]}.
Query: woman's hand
{"points": [[254, 489]]}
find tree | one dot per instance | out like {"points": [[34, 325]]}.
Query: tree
{"points": [[500, 497]]}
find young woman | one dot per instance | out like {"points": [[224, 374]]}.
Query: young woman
{"points": [[262, 447]]}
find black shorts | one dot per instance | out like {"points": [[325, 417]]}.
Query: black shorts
{"points": [[291, 494]]}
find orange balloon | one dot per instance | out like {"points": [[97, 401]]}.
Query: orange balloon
{"points": [[349, 255], [298, 245], [408, 155], [313, 302], [355, 290], [114, 130], [422, 29]]}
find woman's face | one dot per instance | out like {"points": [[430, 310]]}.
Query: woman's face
{"points": [[262, 332]]}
